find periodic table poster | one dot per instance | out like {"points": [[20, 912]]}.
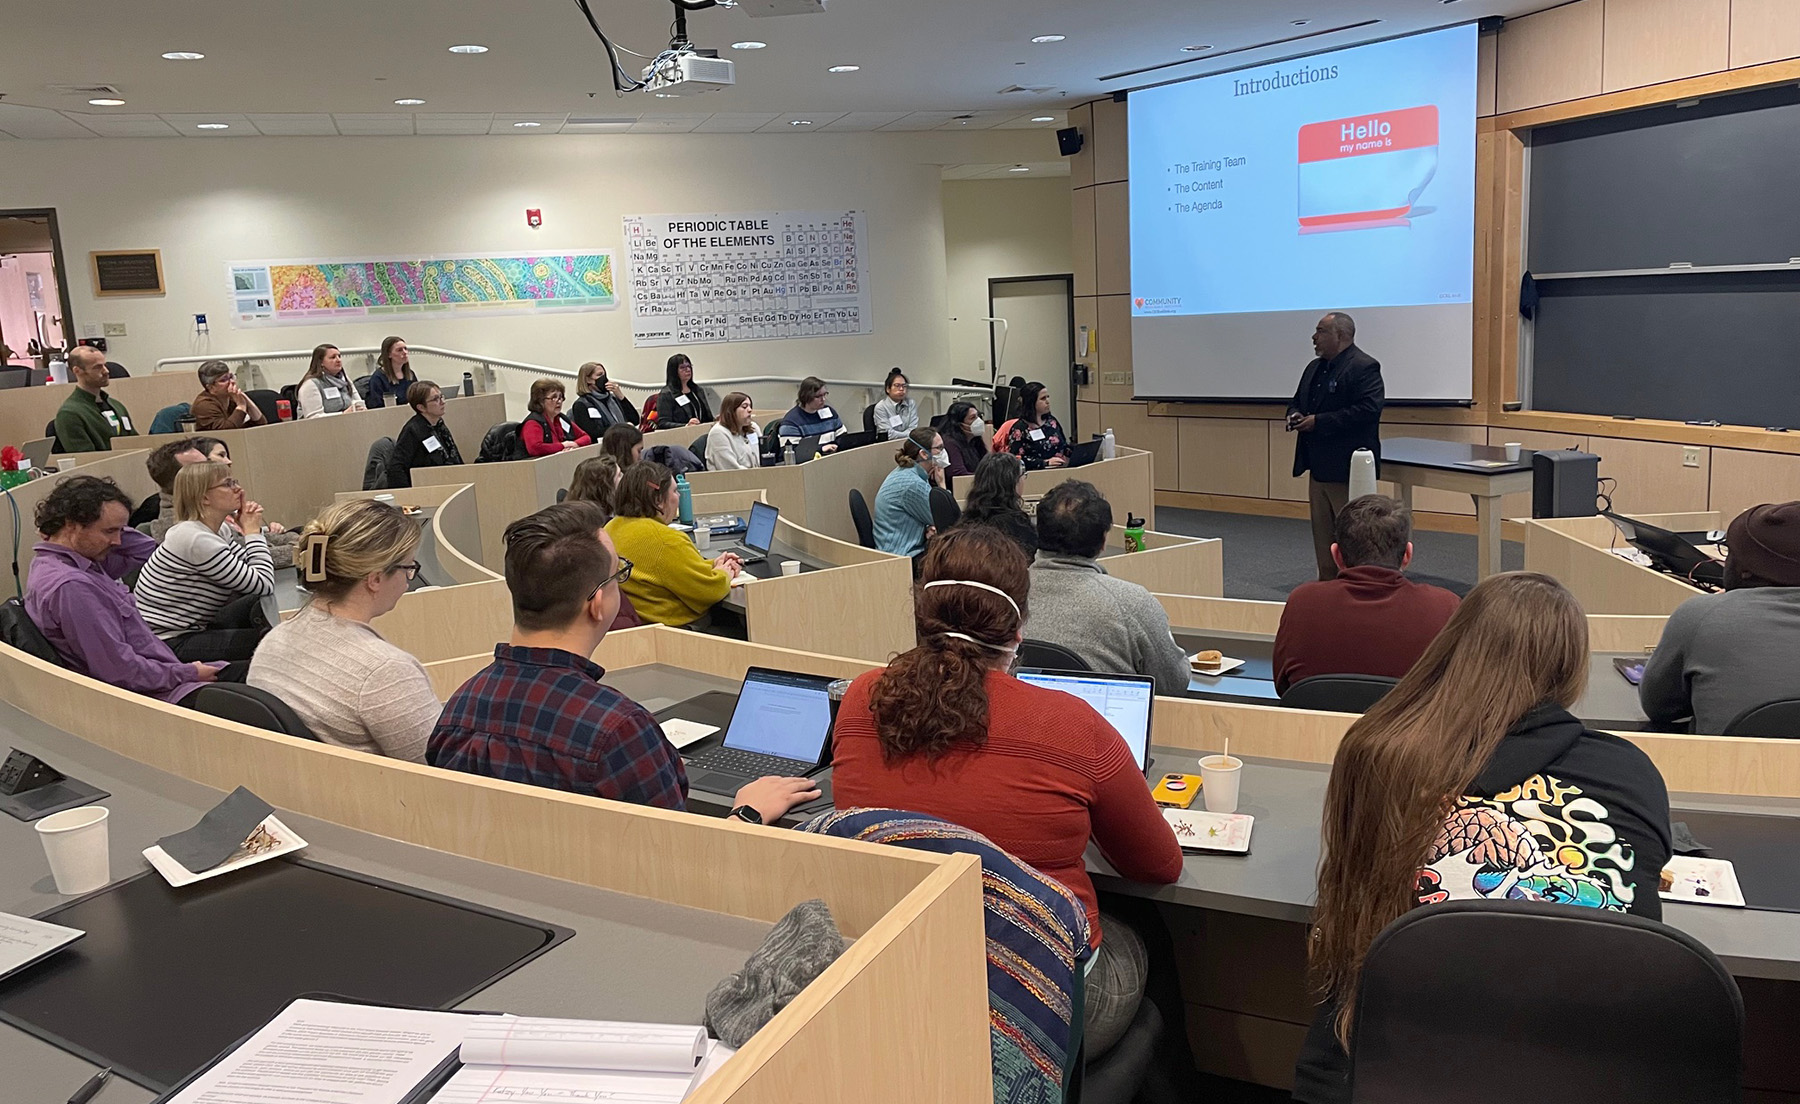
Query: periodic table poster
{"points": [[747, 276]]}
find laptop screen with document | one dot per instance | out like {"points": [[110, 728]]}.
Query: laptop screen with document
{"points": [[782, 713], [1124, 700], [760, 532]]}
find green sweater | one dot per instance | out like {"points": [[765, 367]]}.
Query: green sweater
{"points": [[82, 424]]}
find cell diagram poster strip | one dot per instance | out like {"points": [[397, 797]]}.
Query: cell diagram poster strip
{"points": [[286, 293], [747, 276]]}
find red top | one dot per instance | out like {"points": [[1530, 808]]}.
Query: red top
{"points": [[1052, 774], [1367, 621], [531, 431]]}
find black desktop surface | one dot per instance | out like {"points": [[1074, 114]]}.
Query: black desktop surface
{"points": [[167, 978]]}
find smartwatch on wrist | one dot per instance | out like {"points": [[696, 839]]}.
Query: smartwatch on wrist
{"points": [[746, 814]]}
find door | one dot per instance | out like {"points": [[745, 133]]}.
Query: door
{"points": [[1038, 340], [33, 299]]}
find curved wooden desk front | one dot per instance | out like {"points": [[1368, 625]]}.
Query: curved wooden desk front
{"points": [[917, 919], [1577, 552]]}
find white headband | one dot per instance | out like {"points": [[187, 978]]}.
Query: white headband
{"points": [[978, 643], [980, 586]]}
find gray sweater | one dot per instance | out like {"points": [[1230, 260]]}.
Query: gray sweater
{"points": [[1721, 654], [1112, 624]]}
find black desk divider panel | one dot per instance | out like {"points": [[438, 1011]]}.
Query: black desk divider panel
{"points": [[168, 978]]}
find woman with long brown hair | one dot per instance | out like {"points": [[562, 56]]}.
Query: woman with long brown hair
{"points": [[1471, 779], [325, 388], [393, 373], [945, 729], [732, 442]]}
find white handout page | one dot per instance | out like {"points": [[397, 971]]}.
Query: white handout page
{"points": [[554, 1061], [24, 940], [326, 1052]]}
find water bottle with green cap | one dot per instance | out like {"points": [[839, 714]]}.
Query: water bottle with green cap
{"points": [[1134, 533]]}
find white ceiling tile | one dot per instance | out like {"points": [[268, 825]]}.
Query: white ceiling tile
{"points": [[453, 123], [38, 122], [922, 120], [735, 123], [546, 124], [784, 124], [1058, 118], [379, 123], [293, 125], [237, 126], [668, 124], [125, 126], [976, 120], [864, 120]]}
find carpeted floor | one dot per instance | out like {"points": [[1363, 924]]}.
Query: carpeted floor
{"points": [[1265, 557]]}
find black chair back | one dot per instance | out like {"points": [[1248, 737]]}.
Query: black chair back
{"points": [[862, 519], [235, 701], [291, 393], [115, 370], [1779, 720], [869, 418], [698, 448], [375, 468], [19, 630], [361, 383], [50, 432], [266, 401], [1628, 1009], [944, 510], [1050, 657], [1338, 693]]}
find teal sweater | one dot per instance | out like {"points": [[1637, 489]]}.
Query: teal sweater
{"points": [[903, 511], [82, 424]]}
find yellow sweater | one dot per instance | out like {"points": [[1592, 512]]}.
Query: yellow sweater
{"points": [[671, 582]]}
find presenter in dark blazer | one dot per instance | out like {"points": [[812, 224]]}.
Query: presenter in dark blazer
{"points": [[1336, 411]]}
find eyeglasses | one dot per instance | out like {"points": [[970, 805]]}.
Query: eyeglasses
{"points": [[619, 576], [229, 484], [411, 569]]}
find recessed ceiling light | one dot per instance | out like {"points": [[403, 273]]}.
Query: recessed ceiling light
{"points": [[528, 123], [107, 103], [182, 55], [1301, 22], [799, 122], [1195, 49], [749, 45], [212, 126], [1018, 168], [1044, 119], [468, 49], [843, 69], [1041, 39], [408, 103]]}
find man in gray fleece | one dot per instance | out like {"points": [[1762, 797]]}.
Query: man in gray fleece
{"points": [[1113, 625], [1724, 653]]}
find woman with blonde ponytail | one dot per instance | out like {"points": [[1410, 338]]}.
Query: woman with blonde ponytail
{"points": [[351, 687], [945, 730]]}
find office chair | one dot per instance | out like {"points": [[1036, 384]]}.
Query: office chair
{"points": [[698, 448], [847, 441], [20, 631], [862, 519], [1778, 720], [1617, 1008], [944, 510], [1338, 693], [50, 432], [291, 392], [115, 370], [266, 401], [869, 418], [169, 418], [1050, 657], [235, 701], [375, 468], [361, 383]]}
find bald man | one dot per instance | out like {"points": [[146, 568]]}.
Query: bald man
{"points": [[1336, 411], [88, 419]]}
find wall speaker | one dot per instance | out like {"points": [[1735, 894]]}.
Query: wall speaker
{"points": [[1069, 140]]}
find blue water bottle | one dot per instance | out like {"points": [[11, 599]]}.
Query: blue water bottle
{"points": [[686, 514]]}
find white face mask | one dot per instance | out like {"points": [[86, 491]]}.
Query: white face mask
{"points": [[941, 458], [977, 428]]}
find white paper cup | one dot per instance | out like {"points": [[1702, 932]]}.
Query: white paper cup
{"points": [[702, 537], [1219, 776], [75, 843], [1512, 451], [790, 567]]}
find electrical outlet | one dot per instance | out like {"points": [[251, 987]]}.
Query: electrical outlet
{"points": [[1118, 379], [113, 329], [1690, 457]]}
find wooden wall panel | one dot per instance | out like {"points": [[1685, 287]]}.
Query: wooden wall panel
{"points": [[1651, 476], [1112, 240], [1743, 479], [1764, 30], [1088, 413], [1087, 310], [1226, 456], [1487, 62], [1113, 344], [1111, 158], [1081, 166], [1081, 242], [1651, 41], [1282, 484], [1133, 426], [1551, 56]]}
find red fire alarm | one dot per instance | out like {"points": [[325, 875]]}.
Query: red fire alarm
{"points": [[534, 218]]}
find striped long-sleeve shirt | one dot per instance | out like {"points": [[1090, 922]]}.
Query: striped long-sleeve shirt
{"points": [[195, 573]]}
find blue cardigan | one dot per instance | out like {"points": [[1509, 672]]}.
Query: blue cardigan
{"points": [[903, 511]]}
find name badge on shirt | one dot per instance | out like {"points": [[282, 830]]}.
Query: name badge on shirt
{"points": [[432, 444], [824, 412], [127, 420], [1036, 435], [329, 392], [568, 427], [111, 419], [682, 400], [896, 421]]}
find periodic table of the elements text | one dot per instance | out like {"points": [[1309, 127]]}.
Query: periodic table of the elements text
{"points": [[747, 276]]}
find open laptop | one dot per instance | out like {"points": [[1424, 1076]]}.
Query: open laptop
{"points": [[781, 725], [1085, 453], [759, 534], [1669, 552], [1124, 700]]}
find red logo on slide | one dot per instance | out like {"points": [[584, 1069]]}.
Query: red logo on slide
{"points": [[1140, 301]]}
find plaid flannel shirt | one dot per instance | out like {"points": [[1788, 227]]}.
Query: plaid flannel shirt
{"points": [[541, 716]]}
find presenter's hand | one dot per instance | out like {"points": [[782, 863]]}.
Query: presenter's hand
{"points": [[1057, 462], [773, 797], [1305, 425]]}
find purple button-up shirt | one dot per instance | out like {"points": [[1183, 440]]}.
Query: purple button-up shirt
{"points": [[91, 620]]}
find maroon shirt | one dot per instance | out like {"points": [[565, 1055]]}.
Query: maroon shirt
{"points": [[1367, 621]]}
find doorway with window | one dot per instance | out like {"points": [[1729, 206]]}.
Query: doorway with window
{"points": [[1037, 343], [34, 293]]}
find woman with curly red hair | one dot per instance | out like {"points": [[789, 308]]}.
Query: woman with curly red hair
{"points": [[945, 729]]}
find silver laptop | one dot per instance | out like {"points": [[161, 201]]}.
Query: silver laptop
{"points": [[781, 725], [759, 534], [1124, 700]]}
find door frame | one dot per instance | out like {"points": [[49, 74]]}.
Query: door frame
{"points": [[69, 329], [1068, 381]]}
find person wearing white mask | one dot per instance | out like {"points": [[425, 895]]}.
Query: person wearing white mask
{"points": [[965, 438], [903, 521]]}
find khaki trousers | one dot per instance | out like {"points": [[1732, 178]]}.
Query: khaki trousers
{"points": [[1327, 500]]}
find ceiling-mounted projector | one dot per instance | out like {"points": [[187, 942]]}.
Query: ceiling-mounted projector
{"points": [[689, 74]]}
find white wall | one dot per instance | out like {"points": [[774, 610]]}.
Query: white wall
{"points": [[206, 202], [995, 228]]}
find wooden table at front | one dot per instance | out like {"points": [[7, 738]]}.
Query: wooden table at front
{"points": [[1480, 471]]}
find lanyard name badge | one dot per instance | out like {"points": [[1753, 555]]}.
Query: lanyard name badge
{"points": [[432, 444], [682, 400], [1036, 435]]}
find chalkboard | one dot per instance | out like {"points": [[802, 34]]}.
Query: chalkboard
{"points": [[1712, 183], [128, 272]]}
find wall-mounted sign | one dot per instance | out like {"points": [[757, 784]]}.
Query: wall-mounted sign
{"points": [[127, 272]]}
